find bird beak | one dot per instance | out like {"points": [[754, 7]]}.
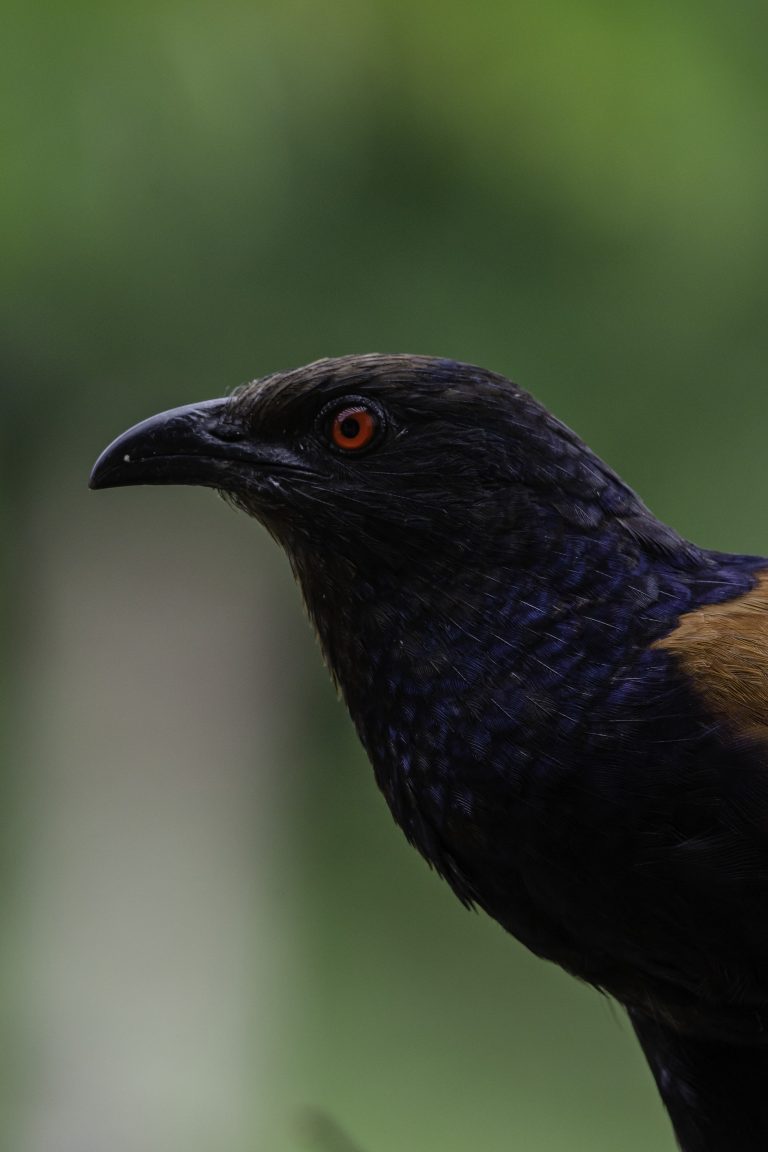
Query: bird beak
{"points": [[195, 444]]}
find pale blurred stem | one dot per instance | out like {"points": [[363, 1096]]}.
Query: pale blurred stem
{"points": [[19, 463]]}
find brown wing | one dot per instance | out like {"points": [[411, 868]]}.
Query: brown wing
{"points": [[723, 648]]}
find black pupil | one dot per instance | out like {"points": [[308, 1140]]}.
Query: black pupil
{"points": [[350, 427]]}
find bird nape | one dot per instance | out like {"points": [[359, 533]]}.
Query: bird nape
{"points": [[564, 701]]}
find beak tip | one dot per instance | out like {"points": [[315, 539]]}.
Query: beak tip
{"points": [[99, 473]]}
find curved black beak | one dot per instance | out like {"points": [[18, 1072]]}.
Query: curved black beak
{"points": [[195, 444]]}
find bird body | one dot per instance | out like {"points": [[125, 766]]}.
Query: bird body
{"points": [[564, 701]]}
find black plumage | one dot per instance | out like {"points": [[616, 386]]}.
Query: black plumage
{"points": [[564, 702]]}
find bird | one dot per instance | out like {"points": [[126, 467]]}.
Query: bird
{"points": [[564, 701]]}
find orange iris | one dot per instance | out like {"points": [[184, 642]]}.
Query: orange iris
{"points": [[353, 428]]}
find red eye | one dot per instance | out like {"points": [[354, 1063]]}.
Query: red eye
{"points": [[354, 427]]}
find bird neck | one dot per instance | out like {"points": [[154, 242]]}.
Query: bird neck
{"points": [[369, 616], [393, 637], [391, 633]]}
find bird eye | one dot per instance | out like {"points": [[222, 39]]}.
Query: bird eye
{"points": [[354, 427]]}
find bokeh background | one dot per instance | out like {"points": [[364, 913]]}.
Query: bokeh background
{"points": [[213, 937]]}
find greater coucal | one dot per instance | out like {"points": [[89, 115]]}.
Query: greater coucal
{"points": [[565, 703]]}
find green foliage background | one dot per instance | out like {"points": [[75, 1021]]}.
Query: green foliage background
{"points": [[194, 194]]}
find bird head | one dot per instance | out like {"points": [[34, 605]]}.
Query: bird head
{"points": [[377, 459], [388, 475]]}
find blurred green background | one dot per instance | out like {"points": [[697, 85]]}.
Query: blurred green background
{"points": [[214, 938]]}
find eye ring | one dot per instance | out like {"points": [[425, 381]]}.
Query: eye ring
{"points": [[353, 424]]}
